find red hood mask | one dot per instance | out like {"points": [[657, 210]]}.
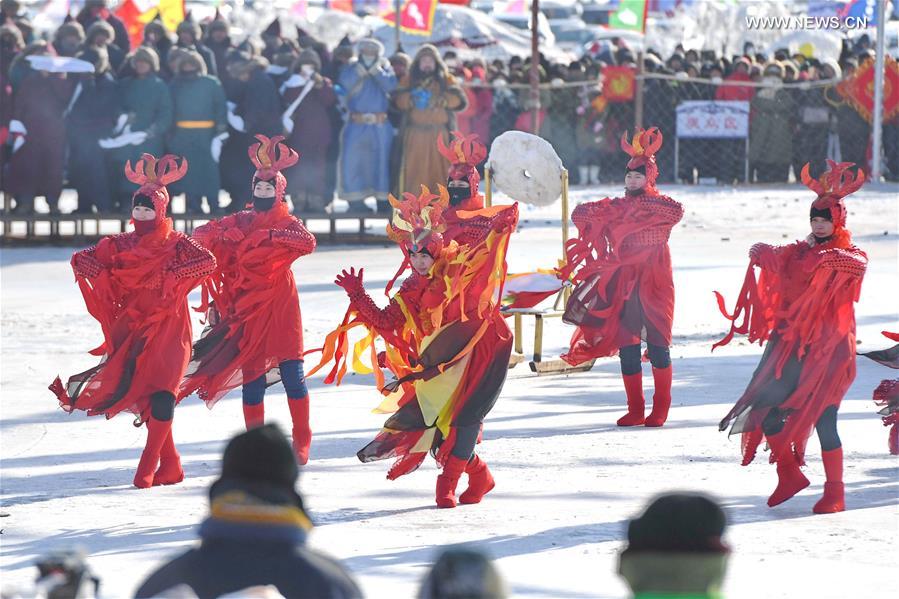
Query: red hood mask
{"points": [[642, 151], [270, 157], [153, 175], [465, 153], [831, 187]]}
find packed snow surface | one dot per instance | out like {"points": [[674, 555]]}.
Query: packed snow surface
{"points": [[567, 478]]}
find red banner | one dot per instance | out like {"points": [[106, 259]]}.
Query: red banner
{"points": [[416, 16], [858, 90], [618, 84]]}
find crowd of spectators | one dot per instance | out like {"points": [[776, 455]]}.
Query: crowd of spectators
{"points": [[366, 124]]}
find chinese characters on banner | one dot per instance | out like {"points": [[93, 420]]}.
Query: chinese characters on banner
{"points": [[709, 119]]}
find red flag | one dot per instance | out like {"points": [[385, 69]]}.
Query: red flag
{"points": [[618, 84], [416, 16], [130, 14], [858, 90]]}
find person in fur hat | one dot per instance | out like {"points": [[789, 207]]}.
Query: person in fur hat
{"points": [[135, 285], [624, 287], [200, 128], [95, 11], [801, 308], [429, 96], [256, 331], [367, 137], [448, 345], [146, 106], [68, 39], [308, 98], [157, 37], [101, 35], [190, 38]]}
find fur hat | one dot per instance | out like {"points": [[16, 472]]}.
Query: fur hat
{"points": [[145, 54], [189, 26], [156, 26], [186, 56], [70, 29], [97, 56], [370, 43], [308, 57], [99, 27]]}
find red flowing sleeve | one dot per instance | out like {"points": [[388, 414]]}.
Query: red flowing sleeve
{"points": [[192, 260], [384, 320], [294, 237]]}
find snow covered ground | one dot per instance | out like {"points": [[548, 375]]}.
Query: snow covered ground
{"points": [[567, 478]]}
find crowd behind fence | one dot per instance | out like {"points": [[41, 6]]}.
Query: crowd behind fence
{"points": [[357, 117]]}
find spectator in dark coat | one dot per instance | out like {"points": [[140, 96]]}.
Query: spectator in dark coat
{"points": [[11, 44], [189, 38], [253, 107], [92, 118], [39, 139], [96, 10], [854, 130], [10, 14], [101, 35], [256, 532], [309, 131], [156, 36], [218, 40], [813, 126]]}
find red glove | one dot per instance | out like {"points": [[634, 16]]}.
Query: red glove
{"points": [[233, 235], [350, 281]]}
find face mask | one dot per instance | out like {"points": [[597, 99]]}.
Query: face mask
{"points": [[307, 70], [772, 80], [368, 59], [716, 80], [499, 83], [263, 204], [142, 227], [457, 195]]}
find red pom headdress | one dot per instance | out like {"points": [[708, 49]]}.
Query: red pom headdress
{"points": [[270, 157], [831, 187], [642, 151], [153, 175], [418, 223], [465, 153]]}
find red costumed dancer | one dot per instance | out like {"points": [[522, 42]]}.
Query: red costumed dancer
{"points": [[255, 331], [802, 306], [886, 394], [136, 285], [446, 344], [624, 290], [465, 153]]}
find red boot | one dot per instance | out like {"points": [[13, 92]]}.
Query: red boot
{"points": [[661, 399], [833, 500], [170, 471], [157, 431], [633, 386], [790, 479], [302, 434], [447, 481], [254, 415], [480, 481]]}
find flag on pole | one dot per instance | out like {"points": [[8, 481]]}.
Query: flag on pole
{"points": [[416, 16], [631, 14], [513, 7], [344, 5], [137, 13]]}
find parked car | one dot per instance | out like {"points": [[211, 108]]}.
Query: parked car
{"points": [[576, 39], [544, 32], [596, 12]]}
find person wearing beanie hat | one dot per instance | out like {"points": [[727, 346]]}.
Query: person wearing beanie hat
{"points": [[463, 573], [627, 293], [448, 346], [256, 531], [429, 96], [92, 117], [136, 285], [675, 548], [309, 99], [802, 307], [256, 330], [367, 137], [145, 110], [201, 126]]}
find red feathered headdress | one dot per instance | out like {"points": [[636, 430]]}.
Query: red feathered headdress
{"points": [[465, 153], [831, 187], [153, 175], [417, 223], [642, 151], [270, 157]]}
